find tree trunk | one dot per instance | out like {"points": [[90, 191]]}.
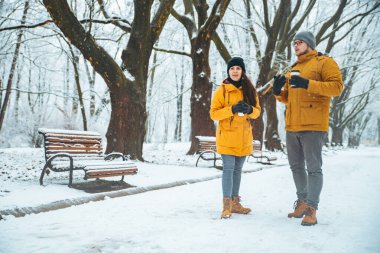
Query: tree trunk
{"points": [[91, 81], [149, 121], [75, 61], [1, 90], [126, 129], [378, 130], [356, 129], [201, 92], [337, 136], [178, 127], [13, 67], [17, 98], [272, 137]]}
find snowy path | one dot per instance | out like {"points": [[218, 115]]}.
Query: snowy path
{"points": [[186, 218]]}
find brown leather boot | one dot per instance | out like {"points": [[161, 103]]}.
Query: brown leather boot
{"points": [[310, 218], [237, 207], [227, 204], [299, 209]]}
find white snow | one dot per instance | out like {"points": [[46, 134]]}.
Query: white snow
{"points": [[129, 75], [186, 218], [63, 131]]}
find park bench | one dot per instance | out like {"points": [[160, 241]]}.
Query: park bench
{"points": [[207, 151], [68, 150], [259, 155]]}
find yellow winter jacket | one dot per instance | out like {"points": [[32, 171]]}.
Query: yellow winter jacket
{"points": [[234, 133], [308, 109]]}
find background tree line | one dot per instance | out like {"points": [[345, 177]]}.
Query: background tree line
{"points": [[147, 69]]}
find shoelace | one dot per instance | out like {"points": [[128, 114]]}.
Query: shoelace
{"points": [[296, 204]]}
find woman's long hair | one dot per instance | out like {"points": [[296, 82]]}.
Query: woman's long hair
{"points": [[249, 91]]}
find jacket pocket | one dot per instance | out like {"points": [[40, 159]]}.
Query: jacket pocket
{"points": [[311, 113], [228, 134]]}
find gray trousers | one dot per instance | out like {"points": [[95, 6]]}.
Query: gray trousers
{"points": [[232, 166], [306, 147]]}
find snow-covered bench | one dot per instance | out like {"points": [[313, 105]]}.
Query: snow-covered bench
{"points": [[258, 154], [207, 151], [68, 150]]}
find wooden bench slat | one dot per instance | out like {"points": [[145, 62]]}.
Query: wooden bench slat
{"points": [[74, 152], [86, 163], [62, 140], [72, 137], [106, 166], [114, 170], [59, 148], [109, 174]]}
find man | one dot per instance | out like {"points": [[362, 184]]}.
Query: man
{"points": [[306, 91]]}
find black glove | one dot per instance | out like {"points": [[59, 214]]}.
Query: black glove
{"points": [[247, 109], [239, 107], [299, 82], [279, 82]]}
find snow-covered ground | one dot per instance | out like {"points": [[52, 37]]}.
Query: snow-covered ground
{"points": [[186, 218]]}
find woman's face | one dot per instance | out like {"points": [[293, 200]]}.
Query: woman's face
{"points": [[235, 73]]}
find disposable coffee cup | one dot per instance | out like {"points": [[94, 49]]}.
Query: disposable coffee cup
{"points": [[294, 73]]}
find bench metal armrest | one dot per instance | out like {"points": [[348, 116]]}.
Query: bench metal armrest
{"points": [[207, 159], [49, 161], [114, 155]]}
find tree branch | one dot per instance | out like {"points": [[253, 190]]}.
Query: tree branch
{"points": [[102, 62], [223, 51], [116, 23], [83, 21], [160, 18], [331, 21], [171, 51]]}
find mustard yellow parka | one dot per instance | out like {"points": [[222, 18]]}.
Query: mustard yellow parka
{"points": [[234, 133], [308, 109]]}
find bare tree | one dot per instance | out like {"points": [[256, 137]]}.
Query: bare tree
{"points": [[378, 130], [91, 80], [200, 34], [126, 130], [347, 107], [13, 66], [75, 62], [356, 128]]}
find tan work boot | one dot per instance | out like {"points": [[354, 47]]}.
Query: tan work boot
{"points": [[299, 209], [227, 203], [310, 218], [237, 207]]}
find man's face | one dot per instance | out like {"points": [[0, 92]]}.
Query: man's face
{"points": [[300, 47]]}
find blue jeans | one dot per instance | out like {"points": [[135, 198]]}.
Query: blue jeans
{"points": [[231, 178]]}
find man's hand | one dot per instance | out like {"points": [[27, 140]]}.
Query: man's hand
{"points": [[279, 82], [299, 82]]}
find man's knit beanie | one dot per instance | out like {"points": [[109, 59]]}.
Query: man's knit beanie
{"points": [[307, 37]]}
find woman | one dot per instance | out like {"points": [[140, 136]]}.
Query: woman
{"points": [[233, 104]]}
